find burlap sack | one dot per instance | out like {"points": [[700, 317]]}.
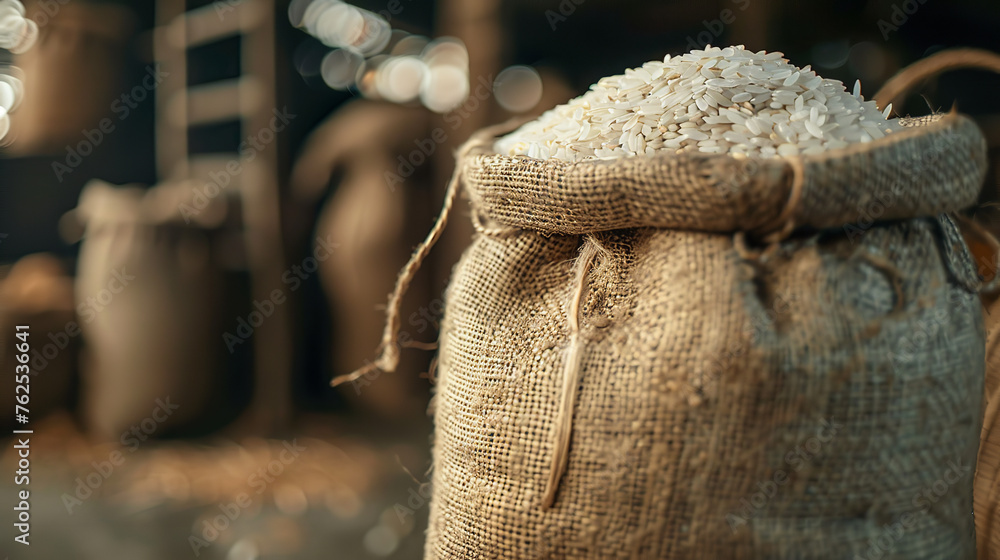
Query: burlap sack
{"points": [[371, 217], [625, 373], [72, 76], [37, 292], [148, 292], [984, 249], [987, 497]]}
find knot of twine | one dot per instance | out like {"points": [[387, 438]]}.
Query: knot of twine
{"points": [[784, 224]]}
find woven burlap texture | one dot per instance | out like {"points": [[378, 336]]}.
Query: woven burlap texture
{"points": [[817, 397]]}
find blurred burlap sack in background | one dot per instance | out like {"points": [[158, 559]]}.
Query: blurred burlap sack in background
{"points": [[37, 293], [374, 212], [72, 76], [625, 373], [152, 317]]}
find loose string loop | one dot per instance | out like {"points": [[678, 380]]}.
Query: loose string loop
{"points": [[388, 349], [572, 369]]}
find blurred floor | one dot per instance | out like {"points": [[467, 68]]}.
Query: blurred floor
{"points": [[303, 497]]}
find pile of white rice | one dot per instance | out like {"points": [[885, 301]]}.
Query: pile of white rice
{"points": [[716, 100]]}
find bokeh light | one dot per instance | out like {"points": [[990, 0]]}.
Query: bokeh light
{"points": [[399, 79], [446, 51], [297, 11], [382, 63], [17, 35], [412, 45], [444, 88], [518, 88], [340, 68], [831, 54], [342, 25], [868, 61]]}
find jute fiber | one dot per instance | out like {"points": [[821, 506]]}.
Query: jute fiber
{"points": [[698, 357], [987, 489], [984, 247]]}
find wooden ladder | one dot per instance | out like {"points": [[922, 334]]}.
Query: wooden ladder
{"points": [[248, 100]]}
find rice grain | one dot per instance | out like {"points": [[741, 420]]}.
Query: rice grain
{"points": [[750, 103]]}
